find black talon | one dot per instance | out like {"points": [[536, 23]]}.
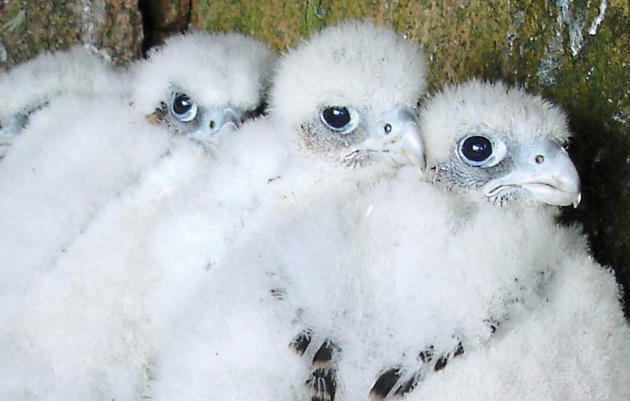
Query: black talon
{"points": [[440, 363], [322, 379], [407, 386], [323, 354], [459, 350], [301, 342], [384, 384], [427, 354], [323, 384]]}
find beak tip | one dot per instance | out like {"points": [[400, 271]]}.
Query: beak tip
{"points": [[577, 200]]}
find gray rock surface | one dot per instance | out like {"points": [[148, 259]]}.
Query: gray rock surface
{"points": [[27, 28]]}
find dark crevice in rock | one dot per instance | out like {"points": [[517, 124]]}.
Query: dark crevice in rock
{"points": [[161, 19], [147, 24]]}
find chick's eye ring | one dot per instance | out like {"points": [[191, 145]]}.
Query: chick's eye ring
{"points": [[339, 118], [481, 151], [183, 107]]}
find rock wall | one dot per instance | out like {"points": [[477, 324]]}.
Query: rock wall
{"points": [[29, 27], [163, 18]]}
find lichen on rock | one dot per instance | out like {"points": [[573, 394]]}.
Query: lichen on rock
{"points": [[27, 28]]}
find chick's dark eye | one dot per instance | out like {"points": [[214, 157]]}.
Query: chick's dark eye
{"points": [[337, 118], [183, 107], [182, 104], [476, 149]]}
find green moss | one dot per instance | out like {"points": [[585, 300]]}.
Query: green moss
{"points": [[59, 24]]}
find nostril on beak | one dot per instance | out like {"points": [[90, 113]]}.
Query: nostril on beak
{"points": [[212, 124], [540, 159], [387, 128]]}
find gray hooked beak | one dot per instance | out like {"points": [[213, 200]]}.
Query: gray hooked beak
{"points": [[398, 132], [544, 173], [218, 122]]}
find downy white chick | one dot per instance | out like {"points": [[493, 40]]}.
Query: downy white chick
{"points": [[409, 264], [65, 332], [509, 144], [342, 103], [32, 85], [204, 86], [574, 342]]}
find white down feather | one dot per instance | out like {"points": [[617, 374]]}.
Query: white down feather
{"points": [[574, 346], [231, 336], [72, 160], [368, 268], [34, 84], [114, 294]]}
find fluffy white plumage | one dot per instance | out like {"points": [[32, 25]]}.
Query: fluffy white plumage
{"points": [[122, 281], [475, 105], [195, 84], [425, 266], [199, 277], [241, 330], [32, 85], [82, 330], [327, 70], [502, 142], [209, 68], [378, 271], [571, 342], [384, 281], [574, 346], [66, 166], [49, 75]]}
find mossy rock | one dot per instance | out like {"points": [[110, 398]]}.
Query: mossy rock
{"points": [[28, 28], [162, 18], [573, 52]]}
